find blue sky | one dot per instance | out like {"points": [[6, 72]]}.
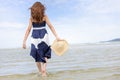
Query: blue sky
{"points": [[77, 21]]}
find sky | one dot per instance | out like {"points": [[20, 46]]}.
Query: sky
{"points": [[77, 21]]}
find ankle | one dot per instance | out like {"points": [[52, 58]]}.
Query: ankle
{"points": [[43, 71]]}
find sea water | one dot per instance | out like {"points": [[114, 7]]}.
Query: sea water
{"points": [[95, 61]]}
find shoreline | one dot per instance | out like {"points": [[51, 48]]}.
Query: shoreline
{"points": [[92, 74]]}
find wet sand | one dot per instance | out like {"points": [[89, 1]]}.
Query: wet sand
{"points": [[90, 74]]}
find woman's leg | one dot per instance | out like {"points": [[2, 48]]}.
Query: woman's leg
{"points": [[39, 66], [44, 68]]}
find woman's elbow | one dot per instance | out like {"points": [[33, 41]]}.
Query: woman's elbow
{"points": [[28, 30]]}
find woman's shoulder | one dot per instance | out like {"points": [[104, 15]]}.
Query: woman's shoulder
{"points": [[31, 19], [45, 17]]}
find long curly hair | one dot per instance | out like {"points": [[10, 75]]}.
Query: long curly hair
{"points": [[37, 12]]}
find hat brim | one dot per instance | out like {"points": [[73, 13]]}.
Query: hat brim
{"points": [[59, 47]]}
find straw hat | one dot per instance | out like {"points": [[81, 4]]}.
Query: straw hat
{"points": [[59, 47]]}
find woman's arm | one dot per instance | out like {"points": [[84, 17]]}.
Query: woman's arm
{"points": [[51, 27], [27, 33]]}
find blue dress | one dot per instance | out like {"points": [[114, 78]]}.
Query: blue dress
{"points": [[40, 47]]}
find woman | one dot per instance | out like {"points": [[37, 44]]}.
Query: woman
{"points": [[40, 48]]}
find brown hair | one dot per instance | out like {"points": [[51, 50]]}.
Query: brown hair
{"points": [[37, 12]]}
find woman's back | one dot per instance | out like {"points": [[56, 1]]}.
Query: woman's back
{"points": [[36, 24]]}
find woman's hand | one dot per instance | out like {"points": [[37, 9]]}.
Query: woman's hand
{"points": [[24, 45], [58, 39]]}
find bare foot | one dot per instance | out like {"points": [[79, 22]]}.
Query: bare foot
{"points": [[44, 74]]}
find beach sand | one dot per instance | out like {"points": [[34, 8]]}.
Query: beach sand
{"points": [[90, 74]]}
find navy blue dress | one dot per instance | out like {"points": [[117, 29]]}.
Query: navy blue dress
{"points": [[40, 47]]}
